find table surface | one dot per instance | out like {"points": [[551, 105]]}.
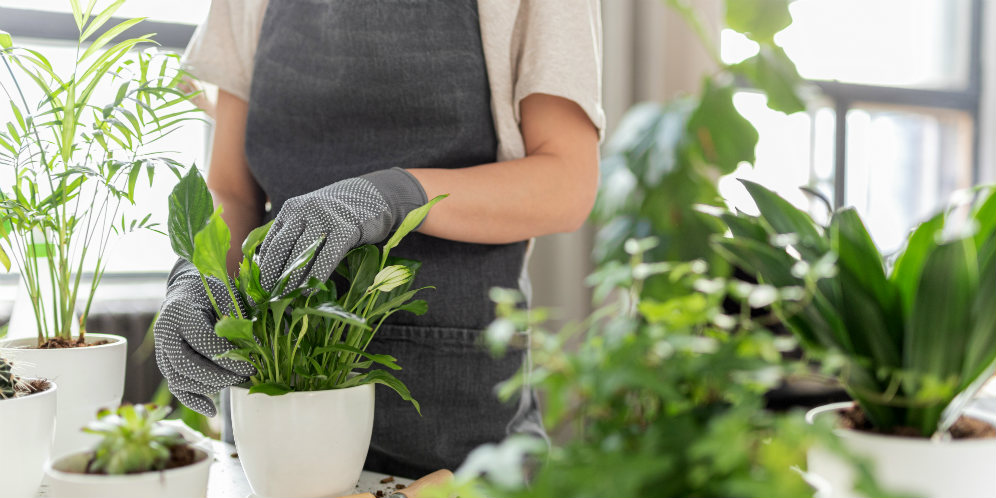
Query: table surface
{"points": [[228, 481]]}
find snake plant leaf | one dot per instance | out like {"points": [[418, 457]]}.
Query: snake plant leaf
{"points": [[383, 377], [744, 226], [190, 207], [785, 218], [906, 272], [411, 222], [211, 246], [936, 336]]}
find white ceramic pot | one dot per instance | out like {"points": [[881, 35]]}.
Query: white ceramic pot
{"points": [[89, 378], [906, 465], [303, 444], [65, 479], [27, 426]]}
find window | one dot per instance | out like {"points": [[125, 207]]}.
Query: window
{"points": [[47, 26], [893, 130]]}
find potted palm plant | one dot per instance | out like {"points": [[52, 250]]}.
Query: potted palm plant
{"points": [[308, 346], [916, 332], [27, 423], [137, 456], [76, 159]]}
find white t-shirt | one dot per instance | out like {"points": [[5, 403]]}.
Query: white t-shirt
{"points": [[552, 47]]}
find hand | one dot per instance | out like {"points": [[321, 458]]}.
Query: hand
{"points": [[349, 213], [186, 344]]}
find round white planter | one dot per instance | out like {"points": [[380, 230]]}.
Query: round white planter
{"points": [[27, 425], [89, 379], [303, 444], [919, 467], [65, 479]]}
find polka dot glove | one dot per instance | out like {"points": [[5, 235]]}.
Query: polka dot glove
{"points": [[186, 344], [349, 213]]}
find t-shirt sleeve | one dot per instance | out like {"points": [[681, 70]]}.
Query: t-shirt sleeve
{"points": [[560, 54], [223, 46]]}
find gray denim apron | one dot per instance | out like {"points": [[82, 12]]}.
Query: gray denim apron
{"points": [[346, 87]]}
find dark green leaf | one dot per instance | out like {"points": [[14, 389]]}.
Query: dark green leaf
{"points": [[190, 207], [785, 218], [237, 330], [721, 135], [270, 389], [333, 311], [906, 272], [385, 378], [382, 359]]}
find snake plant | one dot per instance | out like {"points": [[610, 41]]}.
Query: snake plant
{"points": [[917, 330]]}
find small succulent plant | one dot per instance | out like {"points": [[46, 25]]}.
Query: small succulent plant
{"points": [[133, 440], [11, 386]]}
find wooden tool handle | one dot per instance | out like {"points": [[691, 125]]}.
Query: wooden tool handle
{"points": [[437, 477]]}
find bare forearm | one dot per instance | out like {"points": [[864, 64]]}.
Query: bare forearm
{"points": [[551, 190], [509, 201]]}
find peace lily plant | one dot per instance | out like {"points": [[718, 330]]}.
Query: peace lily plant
{"points": [[303, 423], [72, 158]]}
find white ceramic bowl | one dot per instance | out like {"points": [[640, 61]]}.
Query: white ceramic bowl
{"points": [[65, 479], [27, 426]]}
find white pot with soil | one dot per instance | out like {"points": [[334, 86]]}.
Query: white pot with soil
{"points": [[303, 444], [89, 378], [27, 426], [908, 465], [67, 478]]}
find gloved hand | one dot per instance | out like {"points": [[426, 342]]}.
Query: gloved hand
{"points": [[186, 343], [348, 213]]}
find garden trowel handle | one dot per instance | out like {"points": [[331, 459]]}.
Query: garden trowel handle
{"points": [[437, 477]]}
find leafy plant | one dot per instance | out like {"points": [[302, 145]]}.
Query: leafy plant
{"points": [[76, 161], [307, 339], [664, 159], [918, 333], [665, 394], [132, 440]]}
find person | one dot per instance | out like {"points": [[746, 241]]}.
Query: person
{"points": [[338, 117]]}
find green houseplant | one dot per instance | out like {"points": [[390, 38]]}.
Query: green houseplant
{"points": [[137, 455], [308, 346], [81, 141], [27, 413], [917, 332]]}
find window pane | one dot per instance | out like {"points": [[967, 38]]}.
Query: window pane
{"points": [[180, 11], [909, 43], [142, 251], [792, 151], [903, 165]]}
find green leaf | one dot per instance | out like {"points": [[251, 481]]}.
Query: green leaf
{"points": [[385, 378], [5, 40], [722, 136], [772, 71], [359, 267], [101, 18], [301, 261], [906, 272], [136, 170], [760, 20], [254, 239], [270, 389], [211, 246], [411, 222], [392, 303], [333, 311], [785, 218], [190, 208], [4, 259], [77, 14], [237, 330], [382, 359], [857, 252], [109, 35]]}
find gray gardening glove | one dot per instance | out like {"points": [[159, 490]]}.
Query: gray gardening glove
{"points": [[186, 343], [349, 213]]}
